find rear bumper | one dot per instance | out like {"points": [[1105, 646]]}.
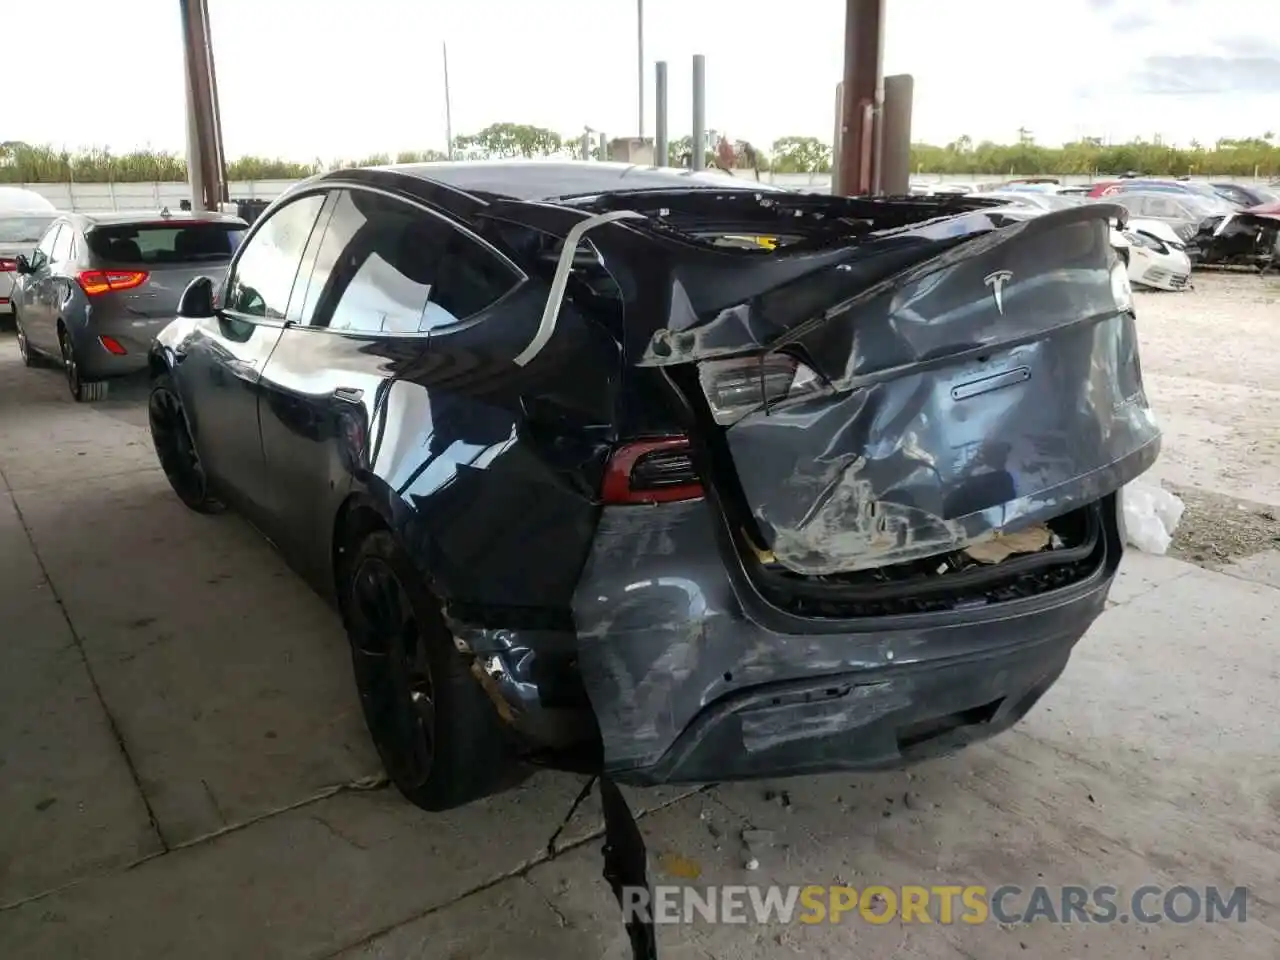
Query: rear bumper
{"points": [[99, 363], [692, 677]]}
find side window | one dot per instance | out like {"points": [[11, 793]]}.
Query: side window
{"points": [[62, 245], [265, 272], [46, 243], [1162, 207], [385, 266]]}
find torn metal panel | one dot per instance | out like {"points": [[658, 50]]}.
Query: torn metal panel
{"points": [[668, 625]]}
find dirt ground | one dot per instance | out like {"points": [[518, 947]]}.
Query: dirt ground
{"points": [[1211, 362]]}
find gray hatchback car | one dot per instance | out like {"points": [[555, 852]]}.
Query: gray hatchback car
{"points": [[99, 287]]}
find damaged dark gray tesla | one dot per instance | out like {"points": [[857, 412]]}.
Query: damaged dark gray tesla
{"points": [[666, 477]]}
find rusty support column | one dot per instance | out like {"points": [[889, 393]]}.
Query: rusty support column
{"points": [[862, 98], [205, 162], [895, 154]]}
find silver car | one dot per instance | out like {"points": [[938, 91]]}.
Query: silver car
{"points": [[19, 232], [97, 288]]}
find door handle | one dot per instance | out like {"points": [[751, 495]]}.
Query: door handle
{"points": [[348, 394]]}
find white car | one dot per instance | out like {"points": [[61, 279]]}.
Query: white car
{"points": [[1157, 258], [24, 217]]}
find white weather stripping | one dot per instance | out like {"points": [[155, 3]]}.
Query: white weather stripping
{"points": [[561, 279]]}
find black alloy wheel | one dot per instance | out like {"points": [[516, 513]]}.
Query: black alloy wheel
{"points": [[176, 450], [437, 732], [391, 656]]}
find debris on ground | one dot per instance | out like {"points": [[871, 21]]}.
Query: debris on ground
{"points": [[1218, 529], [757, 839], [1151, 515], [679, 866], [752, 864]]}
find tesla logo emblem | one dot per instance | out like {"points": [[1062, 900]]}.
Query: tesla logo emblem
{"points": [[996, 282]]}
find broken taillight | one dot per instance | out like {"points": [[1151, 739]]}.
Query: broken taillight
{"points": [[736, 387], [651, 471], [8, 265]]}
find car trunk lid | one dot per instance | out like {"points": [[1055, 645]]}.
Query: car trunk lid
{"points": [[869, 412], [143, 268]]}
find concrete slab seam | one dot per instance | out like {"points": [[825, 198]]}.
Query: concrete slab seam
{"points": [[518, 872], [93, 680]]}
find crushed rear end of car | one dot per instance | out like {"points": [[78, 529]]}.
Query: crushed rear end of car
{"points": [[879, 504]]}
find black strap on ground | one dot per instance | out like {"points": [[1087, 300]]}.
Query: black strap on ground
{"points": [[577, 802], [625, 867]]}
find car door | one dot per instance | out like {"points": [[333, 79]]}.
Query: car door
{"points": [[221, 360], [385, 275], [36, 308]]}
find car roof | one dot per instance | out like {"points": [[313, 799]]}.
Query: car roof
{"points": [[126, 217], [553, 179]]}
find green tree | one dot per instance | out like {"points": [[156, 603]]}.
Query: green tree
{"points": [[801, 155], [510, 140]]}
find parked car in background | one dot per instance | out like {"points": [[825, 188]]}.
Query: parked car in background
{"points": [[1035, 199], [1185, 213], [1110, 189], [1246, 195], [20, 231], [97, 288], [1153, 262]]}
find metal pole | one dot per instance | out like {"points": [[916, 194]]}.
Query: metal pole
{"points": [[661, 150], [448, 104], [837, 139], [863, 97], [640, 68], [220, 153], [202, 116], [895, 159], [699, 160]]}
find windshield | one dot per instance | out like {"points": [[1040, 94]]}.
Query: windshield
{"points": [[160, 243], [23, 229]]}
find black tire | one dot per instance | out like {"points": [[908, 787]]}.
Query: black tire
{"points": [[29, 357], [438, 734], [175, 449], [82, 391]]}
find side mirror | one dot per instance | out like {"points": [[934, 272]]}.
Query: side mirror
{"points": [[197, 299], [22, 263]]}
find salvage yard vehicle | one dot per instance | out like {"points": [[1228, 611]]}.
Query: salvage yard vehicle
{"points": [[97, 288], [593, 489]]}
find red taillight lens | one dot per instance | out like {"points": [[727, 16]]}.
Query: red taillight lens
{"points": [[8, 265], [94, 282], [112, 345], [651, 471]]}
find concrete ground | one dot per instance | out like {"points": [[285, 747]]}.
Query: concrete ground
{"points": [[184, 772]]}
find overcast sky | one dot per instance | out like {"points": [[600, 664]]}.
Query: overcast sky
{"points": [[330, 79]]}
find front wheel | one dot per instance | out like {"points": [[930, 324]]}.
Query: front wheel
{"points": [[175, 449], [24, 349], [436, 731]]}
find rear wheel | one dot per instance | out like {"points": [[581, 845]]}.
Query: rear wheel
{"points": [[82, 391], [438, 735], [176, 450]]}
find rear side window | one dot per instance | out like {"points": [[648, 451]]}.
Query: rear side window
{"points": [[180, 242], [62, 246], [385, 266], [23, 229]]}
